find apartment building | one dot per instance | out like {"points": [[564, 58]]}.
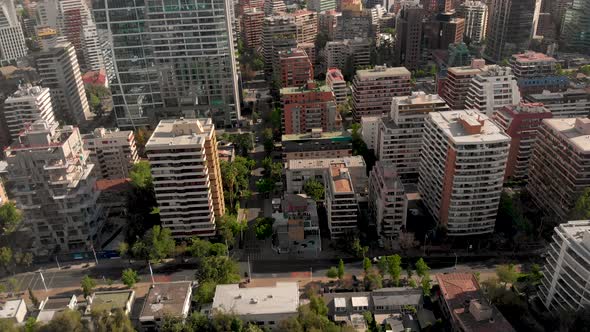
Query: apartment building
{"points": [[341, 201], [59, 71], [444, 29], [387, 202], [186, 176], [298, 171], [475, 14], [251, 23], [308, 107], [567, 268], [12, 39], [27, 105], [557, 173], [164, 300], [492, 90], [52, 182], [535, 73], [335, 81], [321, 5], [408, 29], [521, 122], [572, 103], [91, 48], [296, 68], [574, 24], [112, 151], [455, 87], [353, 24], [372, 90], [274, 7], [462, 165], [343, 53], [317, 145], [279, 33], [306, 22]]}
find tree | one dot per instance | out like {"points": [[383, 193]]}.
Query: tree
{"points": [[421, 268], [317, 305], [507, 274], [268, 140], [314, 189], [33, 298], [129, 277], [68, 320], [412, 283], [8, 325], [105, 320], [87, 285], [358, 249], [382, 264], [5, 258], [394, 268], [24, 259], [263, 228], [10, 217], [159, 243], [141, 175], [426, 284], [219, 269], [265, 185], [367, 264], [536, 274], [581, 209], [332, 272], [123, 249], [276, 119], [341, 269], [373, 280], [31, 325], [199, 248], [205, 292], [409, 271]]}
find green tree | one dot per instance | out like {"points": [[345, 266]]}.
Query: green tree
{"points": [[426, 284], [129, 277], [536, 274], [373, 280], [507, 274], [367, 264], [199, 248], [358, 249], [205, 292], [394, 268], [123, 249], [332, 272], [276, 119], [341, 269], [31, 325], [67, 320], [8, 325], [412, 283], [421, 268], [263, 228], [382, 265], [268, 140], [265, 185], [581, 209], [160, 243], [141, 175], [87, 285], [317, 305], [33, 298], [235, 178], [6, 258], [10, 217], [314, 189], [220, 269], [105, 320]]}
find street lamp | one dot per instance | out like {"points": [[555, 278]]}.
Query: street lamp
{"points": [[455, 260]]}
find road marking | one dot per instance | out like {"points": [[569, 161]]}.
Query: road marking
{"points": [[51, 280]]}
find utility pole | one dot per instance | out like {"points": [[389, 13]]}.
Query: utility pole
{"points": [[94, 252], [151, 272], [43, 280], [249, 270], [58, 267]]}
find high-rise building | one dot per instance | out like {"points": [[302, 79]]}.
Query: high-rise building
{"points": [[299, 171], [188, 66], [91, 48], [306, 23], [51, 179], [535, 73], [372, 90], [279, 33], [475, 14], [353, 24], [335, 81], [296, 69], [341, 201], [59, 71], [113, 152], [456, 85], [317, 145], [575, 27], [309, 107], [186, 176], [408, 28], [12, 39], [252, 21], [512, 25], [572, 103], [72, 16], [387, 202], [521, 122], [462, 164], [274, 7], [567, 268], [492, 90], [557, 175], [27, 105], [321, 5], [443, 30], [348, 53]]}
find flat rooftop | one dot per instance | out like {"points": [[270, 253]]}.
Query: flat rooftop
{"points": [[181, 132], [354, 161], [468, 70], [282, 298], [380, 71], [302, 89], [532, 57], [9, 308], [341, 178], [575, 130], [344, 135], [454, 123], [419, 98], [167, 299], [112, 300], [57, 303]]}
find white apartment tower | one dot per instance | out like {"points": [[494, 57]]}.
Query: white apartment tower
{"points": [[186, 176], [91, 47], [475, 14], [12, 39], [341, 201], [387, 202], [462, 165], [112, 151], [51, 180], [27, 105], [492, 90], [565, 286]]}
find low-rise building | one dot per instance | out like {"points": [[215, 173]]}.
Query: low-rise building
{"points": [[13, 310], [113, 151], [571, 103], [317, 145], [298, 171], [263, 306], [567, 268], [54, 305], [536, 72], [111, 300], [170, 299]]}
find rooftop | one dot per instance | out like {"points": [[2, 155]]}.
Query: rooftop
{"points": [[575, 130], [107, 133], [181, 132], [468, 127], [527, 108], [113, 299], [167, 299], [113, 185], [382, 71], [282, 298], [477, 66], [419, 98], [302, 89], [342, 135], [354, 161], [335, 74], [548, 95], [531, 56], [9, 308], [341, 178], [57, 303], [27, 90]]}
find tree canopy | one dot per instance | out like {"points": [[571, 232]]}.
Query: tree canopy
{"points": [[235, 178], [87, 284], [129, 277], [581, 209], [314, 189], [141, 175], [263, 228], [10, 217]]}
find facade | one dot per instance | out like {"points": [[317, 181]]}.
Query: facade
{"points": [[465, 306], [458, 81], [12, 39], [251, 22], [575, 27], [475, 14], [408, 28], [387, 202], [335, 81], [572, 103], [341, 201], [462, 165], [91, 48], [521, 122], [306, 22], [557, 175], [53, 183], [354, 24], [14, 311], [264, 306], [274, 7], [535, 73], [512, 25], [27, 105], [170, 299], [567, 269], [321, 5], [296, 68], [317, 145], [348, 53], [59, 71], [112, 151], [443, 30], [309, 107], [372, 90], [279, 33], [190, 201], [492, 90], [52, 306]]}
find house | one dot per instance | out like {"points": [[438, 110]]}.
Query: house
{"points": [[171, 299], [111, 300], [14, 310], [51, 306]]}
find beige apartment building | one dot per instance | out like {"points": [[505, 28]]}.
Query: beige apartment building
{"points": [[341, 201], [114, 152], [25, 106], [455, 87]]}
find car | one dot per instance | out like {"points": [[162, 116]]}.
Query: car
{"points": [[257, 140]]}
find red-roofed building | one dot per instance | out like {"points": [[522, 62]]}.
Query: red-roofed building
{"points": [[95, 78], [464, 305]]}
